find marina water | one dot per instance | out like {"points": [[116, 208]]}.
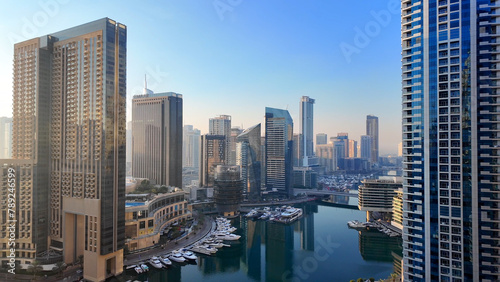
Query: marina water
{"points": [[317, 247]]}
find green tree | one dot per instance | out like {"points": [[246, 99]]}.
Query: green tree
{"points": [[35, 267], [80, 260], [59, 267], [394, 276], [360, 280]]}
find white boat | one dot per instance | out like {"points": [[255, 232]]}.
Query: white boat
{"points": [[165, 261], [266, 215], [209, 249], [252, 213], [144, 267], [188, 254], [356, 224], [138, 269], [177, 257], [226, 236], [289, 215], [216, 245], [156, 263]]}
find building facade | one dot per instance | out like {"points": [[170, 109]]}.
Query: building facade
{"points": [[376, 195], [228, 190], [68, 128], [191, 147], [372, 130], [321, 138], [157, 138], [221, 125], [307, 128], [5, 138], [145, 220], [212, 153], [366, 147], [249, 158], [450, 141], [279, 150], [235, 132], [327, 157]]}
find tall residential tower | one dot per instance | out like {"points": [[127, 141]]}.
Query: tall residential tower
{"points": [[69, 98], [279, 150], [306, 129], [372, 130], [451, 142]]}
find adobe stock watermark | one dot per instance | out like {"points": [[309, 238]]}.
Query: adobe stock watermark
{"points": [[363, 36], [11, 214], [31, 26], [302, 271], [224, 6]]}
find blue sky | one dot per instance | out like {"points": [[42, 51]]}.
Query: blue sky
{"points": [[236, 57]]}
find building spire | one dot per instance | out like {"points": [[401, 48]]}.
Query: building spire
{"points": [[145, 91]]}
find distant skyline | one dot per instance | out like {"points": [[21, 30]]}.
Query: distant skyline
{"points": [[238, 57]]}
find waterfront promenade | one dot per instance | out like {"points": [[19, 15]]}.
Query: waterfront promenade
{"points": [[168, 247]]}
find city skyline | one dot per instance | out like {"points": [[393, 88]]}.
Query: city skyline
{"points": [[248, 69]]}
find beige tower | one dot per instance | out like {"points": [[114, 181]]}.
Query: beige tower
{"points": [[69, 100]]}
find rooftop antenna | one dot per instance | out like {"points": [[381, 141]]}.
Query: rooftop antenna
{"points": [[145, 86]]}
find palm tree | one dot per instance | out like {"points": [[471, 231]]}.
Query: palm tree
{"points": [[35, 267], [59, 267], [393, 277]]}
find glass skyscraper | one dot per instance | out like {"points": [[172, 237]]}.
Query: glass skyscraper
{"points": [[306, 130], [248, 156], [279, 150], [450, 140], [372, 130]]}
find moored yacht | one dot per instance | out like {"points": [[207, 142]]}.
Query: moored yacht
{"points": [[177, 257], [288, 215], [188, 254], [156, 263]]}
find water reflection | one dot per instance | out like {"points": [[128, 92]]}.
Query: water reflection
{"points": [[275, 252]]}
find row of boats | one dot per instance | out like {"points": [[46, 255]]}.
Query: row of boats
{"points": [[355, 224], [165, 261], [214, 241], [207, 246], [284, 214]]}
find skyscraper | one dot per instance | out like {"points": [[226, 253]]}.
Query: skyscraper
{"points": [[191, 147], [72, 84], [366, 147], [321, 138], [248, 157], [450, 141], [279, 150], [212, 153], [372, 130], [235, 132], [5, 138], [221, 125], [157, 138], [307, 128]]}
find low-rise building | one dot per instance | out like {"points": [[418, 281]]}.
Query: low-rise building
{"points": [[145, 220], [376, 195]]}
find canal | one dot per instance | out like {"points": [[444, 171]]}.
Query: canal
{"points": [[317, 247]]}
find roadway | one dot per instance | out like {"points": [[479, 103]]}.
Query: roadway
{"points": [[315, 192]]}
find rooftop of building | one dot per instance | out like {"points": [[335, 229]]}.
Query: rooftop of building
{"points": [[158, 95]]}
